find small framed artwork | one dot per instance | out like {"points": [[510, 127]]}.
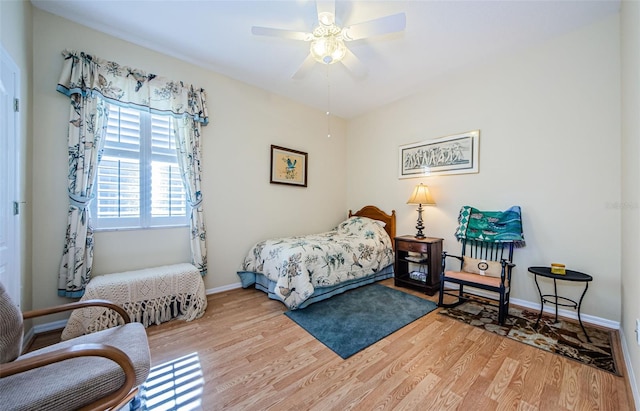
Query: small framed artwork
{"points": [[456, 154], [288, 166]]}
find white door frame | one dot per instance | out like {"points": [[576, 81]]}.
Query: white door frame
{"points": [[10, 218]]}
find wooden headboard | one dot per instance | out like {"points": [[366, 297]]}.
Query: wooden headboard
{"points": [[375, 213]]}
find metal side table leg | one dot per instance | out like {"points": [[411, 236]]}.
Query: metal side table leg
{"points": [[555, 293], [586, 286], [535, 277]]}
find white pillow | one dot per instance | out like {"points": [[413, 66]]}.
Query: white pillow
{"points": [[482, 267], [356, 224], [380, 223]]}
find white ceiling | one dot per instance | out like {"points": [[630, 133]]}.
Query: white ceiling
{"points": [[440, 36]]}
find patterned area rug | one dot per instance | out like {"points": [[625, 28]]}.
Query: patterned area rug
{"points": [[564, 338]]}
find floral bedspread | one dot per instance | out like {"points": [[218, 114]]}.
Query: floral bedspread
{"points": [[359, 246]]}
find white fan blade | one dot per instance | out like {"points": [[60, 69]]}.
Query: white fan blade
{"points": [[281, 33], [304, 68], [354, 65], [323, 6], [383, 25]]}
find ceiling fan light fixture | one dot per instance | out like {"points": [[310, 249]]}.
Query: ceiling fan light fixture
{"points": [[327, 45], [328, 41], [328, 50]]}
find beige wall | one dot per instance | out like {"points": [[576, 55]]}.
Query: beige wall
{"points": [[549, 120], [550, 126], [241, 207], [16, 39], [630, 35]]}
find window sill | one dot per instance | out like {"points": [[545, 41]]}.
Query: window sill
{"points": [[163, 227]]}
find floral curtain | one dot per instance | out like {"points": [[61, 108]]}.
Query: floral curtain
{"points": [[87, 126], [92, 84], [189, 158]]}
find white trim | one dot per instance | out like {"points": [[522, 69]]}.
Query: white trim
{"points": [[586, 318], [27, 339], [46, 327], [603, 322], [31, 334], [11, 257], [55, 325], [630, 375], [223, 288], [60, 324], [550, 309]]}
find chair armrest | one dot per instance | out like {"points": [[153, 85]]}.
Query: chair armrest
{"points": [[507, 263], [506, 274], [78, 304], [445, 255], [81, 350], [444, 262]]}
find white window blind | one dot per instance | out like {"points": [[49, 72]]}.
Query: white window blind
{"points": [[138, 183]]}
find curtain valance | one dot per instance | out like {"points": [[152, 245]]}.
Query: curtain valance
{"points": [[85, 74]]}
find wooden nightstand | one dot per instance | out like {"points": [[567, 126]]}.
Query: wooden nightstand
{"points": [[418, 263]]}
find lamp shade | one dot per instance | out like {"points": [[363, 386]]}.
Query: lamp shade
{"points": [[421, 195]]}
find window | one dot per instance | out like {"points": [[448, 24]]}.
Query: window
{"points": [[138, 183]]}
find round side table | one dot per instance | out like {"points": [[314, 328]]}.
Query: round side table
{"points": [[554, 298]]}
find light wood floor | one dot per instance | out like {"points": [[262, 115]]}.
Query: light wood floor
{"points": [[254, 358]]}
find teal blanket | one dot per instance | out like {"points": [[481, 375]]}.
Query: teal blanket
{"points": [[492, 226]]}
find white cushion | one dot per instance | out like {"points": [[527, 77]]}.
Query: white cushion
{"points": [[481, 267]]}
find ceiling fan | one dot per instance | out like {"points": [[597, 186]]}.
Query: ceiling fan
{"points": [[327, 40]]}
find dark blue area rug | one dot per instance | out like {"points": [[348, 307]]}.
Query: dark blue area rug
{"points": [[350, 322]]}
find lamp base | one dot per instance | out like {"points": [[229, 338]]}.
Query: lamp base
{"points": [[420, 226]]}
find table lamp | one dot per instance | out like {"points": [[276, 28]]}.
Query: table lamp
{"points": [[421, 196]]}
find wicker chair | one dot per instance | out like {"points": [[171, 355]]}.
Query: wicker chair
{"points": [[98, 371]]}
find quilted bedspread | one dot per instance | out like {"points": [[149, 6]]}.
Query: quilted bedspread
{"points": [[359, 246]]}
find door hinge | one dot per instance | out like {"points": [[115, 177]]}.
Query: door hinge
{"points": [[16, 208], [16, 105]]}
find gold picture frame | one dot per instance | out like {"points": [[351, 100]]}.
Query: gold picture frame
{"points": [[288, 166]]}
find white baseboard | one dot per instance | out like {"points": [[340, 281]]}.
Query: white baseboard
{"points": [[615, 325], [26, 340], [550, 309], [630, 373], [41, 328], [223, 288], [55, 325]]}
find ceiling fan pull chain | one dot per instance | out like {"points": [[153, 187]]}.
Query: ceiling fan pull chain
{"points": [[328, 104]]}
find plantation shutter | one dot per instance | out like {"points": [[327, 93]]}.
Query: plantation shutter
{"points": [[132, 165], [168, 197]]}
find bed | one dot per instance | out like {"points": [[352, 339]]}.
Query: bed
{"points": [[302, 270]]}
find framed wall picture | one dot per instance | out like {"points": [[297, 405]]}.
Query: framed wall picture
{"points": [[455, 154], [288, 166]]}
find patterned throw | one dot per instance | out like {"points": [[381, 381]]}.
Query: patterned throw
{"points": [[564, 338], [491, 226]]}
